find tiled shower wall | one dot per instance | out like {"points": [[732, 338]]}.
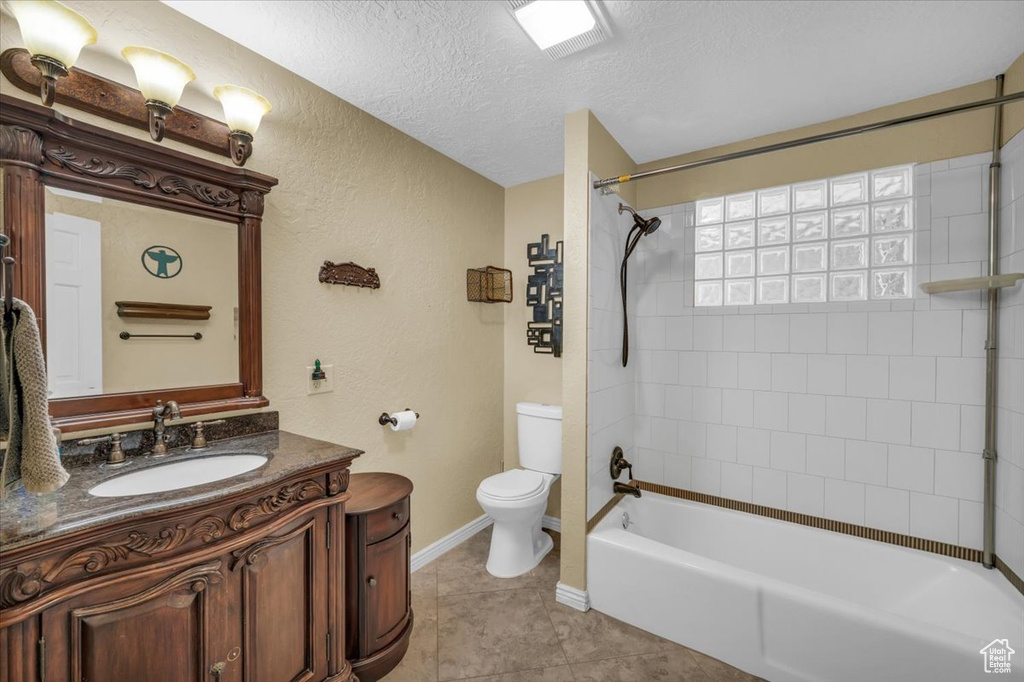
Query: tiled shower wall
{"points": [[611, 388], [865, 412], [1010, 416]]}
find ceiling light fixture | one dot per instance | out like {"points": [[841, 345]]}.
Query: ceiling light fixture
{"points": [[559, 27], [54, 35]]}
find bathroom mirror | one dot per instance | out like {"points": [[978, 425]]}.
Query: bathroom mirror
{"points": [[172, 243], [137, 297]]}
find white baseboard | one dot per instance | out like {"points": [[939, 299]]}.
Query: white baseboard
{"points": [[552, 523], [570, 596], [450, 541]]}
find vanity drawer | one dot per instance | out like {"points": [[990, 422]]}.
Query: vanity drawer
{"points": [[385, 522]]}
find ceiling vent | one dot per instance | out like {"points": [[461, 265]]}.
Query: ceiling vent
{"points": [[546, 19]]}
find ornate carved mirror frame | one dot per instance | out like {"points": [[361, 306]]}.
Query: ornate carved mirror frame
{"points": [[40, 147]]}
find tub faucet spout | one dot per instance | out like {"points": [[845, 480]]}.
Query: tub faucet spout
{"points": [[626, 489]]}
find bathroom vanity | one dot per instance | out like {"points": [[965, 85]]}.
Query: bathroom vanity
{"points": [[238, 579]]}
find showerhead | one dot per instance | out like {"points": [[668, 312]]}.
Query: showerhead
{"points": [[646, 225]]}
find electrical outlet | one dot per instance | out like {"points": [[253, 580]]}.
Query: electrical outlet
{"points": [[325, 385]]}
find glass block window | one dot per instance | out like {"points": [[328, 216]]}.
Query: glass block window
{"points": [[841, 239]]}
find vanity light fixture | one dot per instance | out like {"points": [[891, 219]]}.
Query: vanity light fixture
{"points": [[161, 79], [243, 111], [559, 27], [54, 35]]}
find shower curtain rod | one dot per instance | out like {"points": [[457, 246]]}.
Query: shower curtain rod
{"points": [[823, 137]]}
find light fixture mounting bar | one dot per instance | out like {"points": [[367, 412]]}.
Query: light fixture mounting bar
{"points": [[116, 102]]}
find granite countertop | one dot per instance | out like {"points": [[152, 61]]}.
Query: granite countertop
{"points": [[27, 518]]}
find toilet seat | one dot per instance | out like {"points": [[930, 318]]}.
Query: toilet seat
{"points": [[514, 484]]}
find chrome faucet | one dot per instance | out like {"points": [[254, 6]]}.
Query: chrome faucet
{"points": [[160, 413]]}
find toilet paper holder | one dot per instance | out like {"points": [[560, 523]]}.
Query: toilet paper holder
{"points": [[384, 419]]}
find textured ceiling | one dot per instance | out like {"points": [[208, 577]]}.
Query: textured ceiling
{"points": [[675, 77]]}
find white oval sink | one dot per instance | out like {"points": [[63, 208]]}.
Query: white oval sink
{"points": [[179, 475]]}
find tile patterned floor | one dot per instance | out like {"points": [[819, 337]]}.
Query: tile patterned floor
{"points": [[475, 627]]}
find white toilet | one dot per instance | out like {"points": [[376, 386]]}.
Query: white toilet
{"points": [[516, 499]]}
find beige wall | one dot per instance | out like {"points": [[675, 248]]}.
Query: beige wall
{"points": [[209, 276], [942, 138], [589, 148], [353, 188], [531, 209]]}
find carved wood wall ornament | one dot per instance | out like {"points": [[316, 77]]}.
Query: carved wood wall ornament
{"points": [[271, 504], [40, 147], [349, 274]]}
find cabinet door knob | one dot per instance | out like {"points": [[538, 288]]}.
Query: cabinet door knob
{"points": [[217, 669], [373, 582], [398, 516]]}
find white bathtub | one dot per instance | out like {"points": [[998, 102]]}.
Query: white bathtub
{"points": [[788, 602]]}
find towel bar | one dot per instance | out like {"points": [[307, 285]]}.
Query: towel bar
{"points": [[129, 335]]}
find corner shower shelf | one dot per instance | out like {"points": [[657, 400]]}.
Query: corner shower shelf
{"points": [[972, 283]]}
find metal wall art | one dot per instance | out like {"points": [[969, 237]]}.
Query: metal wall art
{"points": [[544, 295], [349, 274]]}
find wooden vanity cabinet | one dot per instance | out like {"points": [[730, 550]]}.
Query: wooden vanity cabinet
{"points": [[378, 595], [244, 590]]}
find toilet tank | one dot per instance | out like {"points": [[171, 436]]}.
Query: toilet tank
{"points": [[540, 437]]}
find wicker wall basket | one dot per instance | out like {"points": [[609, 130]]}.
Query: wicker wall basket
{"points": [[489, 285]]}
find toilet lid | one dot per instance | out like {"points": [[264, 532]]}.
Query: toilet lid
{"points": [[513, 484]]}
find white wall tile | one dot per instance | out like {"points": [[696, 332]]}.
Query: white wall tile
{"points": [[808, 333], [707, 332], [679, 333], [956, 192], [844, 501], [807, 413], [848, 333], [934, 517], [693, 439], [738, 333], [911, 468], [706, 475], [912, 378], [722, 369], [650, 399], [971, 524], [891, 333], [649, 465], [867, 376], [769, 487], [935, 425], [693, 368], [707, 405], [972, 429], [678, 402], [938, 332], [753, 446], [737, 407], [789, 372], [968, 238], [889, 421], [722, 442], [664, 434], [845, 417], [866, 462], [771, 333], [826, 456], [665, 366], [771, 410], [788, 451], [651, 333], [737, 481], [826, 374], [677, 471], [755, 371], [806, 494], [887, 508], [960, 380], [959, 474]]}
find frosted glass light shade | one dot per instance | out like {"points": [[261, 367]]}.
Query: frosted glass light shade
{"points": [[243, 108], [52, 30], [160, 76]]}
